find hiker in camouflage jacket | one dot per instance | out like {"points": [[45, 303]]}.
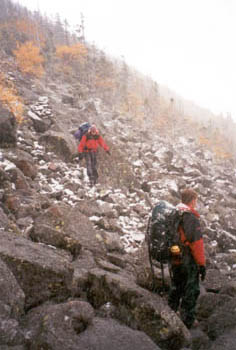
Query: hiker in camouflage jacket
{"points": [[185, 287], [87, 148]]}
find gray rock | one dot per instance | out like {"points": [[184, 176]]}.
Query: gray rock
{"points": [[60, 143], [10, 332], [138, 308], [24, 161], [39, 124], [229, 289], [4, 222], [225, 342], [222, 320], [72, 326], [8, 127], [41, 272], [12, 297]]}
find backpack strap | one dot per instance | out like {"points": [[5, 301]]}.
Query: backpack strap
{"points": [[89, 136], [148, 239]]}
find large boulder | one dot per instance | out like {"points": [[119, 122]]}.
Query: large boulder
{"points": [[106, 334], [40, 125], [22, 203], [10, 332], [225, 341], [60, 143], [68, 229], [137, 308], [24, 161], [12, 300], [40, 271], [222, 320], [18, 178], [8, 127], [208, 303], [12, 297], [79, 226], [4, 222], [58, 325], [72, 325]]}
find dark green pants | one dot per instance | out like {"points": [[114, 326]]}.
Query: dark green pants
{"points": [[91, 164], [184, 291]]}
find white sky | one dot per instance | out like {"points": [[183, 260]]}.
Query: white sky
{"points": [[187, 45]]}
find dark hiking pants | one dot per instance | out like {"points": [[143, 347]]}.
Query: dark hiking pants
{"points": [[91, 163], [185, 291]]}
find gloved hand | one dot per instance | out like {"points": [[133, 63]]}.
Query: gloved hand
{"points": [[108, 152], [202, 272], [81, 156]]}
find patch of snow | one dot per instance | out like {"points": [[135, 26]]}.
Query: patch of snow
{"points": [[8, 165], [138, 163], [214, 243], [229, 235], [94, 218], [68, 192]]}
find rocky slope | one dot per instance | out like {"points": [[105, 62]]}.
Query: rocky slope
{"points": [[73, 260]]}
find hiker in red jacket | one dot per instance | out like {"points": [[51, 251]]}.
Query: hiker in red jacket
{"points": [[185, 274], [87, 148]]}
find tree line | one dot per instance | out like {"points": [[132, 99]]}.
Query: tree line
{"points": [[45, 47]]}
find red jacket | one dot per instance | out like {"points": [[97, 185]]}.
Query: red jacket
{"points": [[191, 234], [90, 143]]}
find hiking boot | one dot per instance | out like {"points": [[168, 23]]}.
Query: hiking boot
{"points": [[91, 182]]}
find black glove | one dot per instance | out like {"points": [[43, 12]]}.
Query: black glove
{"points": [[202, 272], [108, 152], [81, 156]]}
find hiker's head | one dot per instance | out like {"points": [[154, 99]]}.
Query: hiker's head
{"points": [[93, 130], [189, 197]]}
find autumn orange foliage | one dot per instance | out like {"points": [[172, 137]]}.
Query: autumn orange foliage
{"points": [[217, 144], [10, 99], [104, 83], [69, 54], [134, 103], [29, 59], [203, 140]]}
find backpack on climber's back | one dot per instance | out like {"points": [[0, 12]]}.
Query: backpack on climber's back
{"points": [[162, 233], [83, 128]]}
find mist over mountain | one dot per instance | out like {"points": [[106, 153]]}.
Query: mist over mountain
{"points": [[74, 263]]}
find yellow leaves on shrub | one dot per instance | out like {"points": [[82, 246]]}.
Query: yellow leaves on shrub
{"points": [[134, 104], [10, 100], [217, 144], [29, 59], [221, 153], [204, 140], [161, 122], [104, 83], [69, 54]]}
